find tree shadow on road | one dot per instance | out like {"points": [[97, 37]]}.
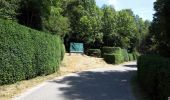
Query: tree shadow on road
{"points": [[132, 66], [108, 85]]}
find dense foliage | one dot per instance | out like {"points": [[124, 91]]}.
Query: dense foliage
{"points": [[43, 15], [116, 55], [85, 23], [27, 53], [79, 21], [110, 50], [113, 58], [153, 74], [94, 52], [125, 55], [9, 8], [161, 27], [73, 21], [112, 55], [154, 71], [98, 27]]}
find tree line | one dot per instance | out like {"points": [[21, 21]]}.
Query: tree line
{"points": [[80, 21], [160, 28]]}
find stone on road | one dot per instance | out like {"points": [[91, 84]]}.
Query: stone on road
{"points": [[113, 83]]}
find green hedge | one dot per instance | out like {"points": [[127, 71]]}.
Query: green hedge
{"points": [[154, 76], [27, 53], [125, 55], [110, 50], [113, 58], [94, 52], [113, 55], [63, 50], [131, 57], [135, 55]]}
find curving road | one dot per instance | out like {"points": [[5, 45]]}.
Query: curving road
{"points": [[111, 83]]}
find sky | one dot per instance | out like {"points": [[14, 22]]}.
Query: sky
{"points": [[143, 8]]}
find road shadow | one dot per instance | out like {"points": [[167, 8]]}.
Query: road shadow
{"points": [[107, 85], [132, 66]]}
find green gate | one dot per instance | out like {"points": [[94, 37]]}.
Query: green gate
{"points": [[76, 48]]}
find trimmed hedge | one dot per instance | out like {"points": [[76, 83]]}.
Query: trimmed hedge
{"points": [[125, 55], [113, 58], [113, 55], [131, 57], [63, 50], [27, 53], [94, 52], [154, 76], [110, 50], [135, 55]]}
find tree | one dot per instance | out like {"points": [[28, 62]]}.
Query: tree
{"points": [[109, 26], [79, 21], [31, 13], [127, 29], [44, 15], [55, 23], [9, 9], [161, 27], [145, 38], [85, 22]]}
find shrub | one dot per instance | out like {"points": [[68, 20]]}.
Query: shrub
{"points": [[135, 55], [113, 55], [131, 58], [26, 53], [113, 58], [62, 51], [110, 50], [154, 76], [94, 52], [125, 55]]}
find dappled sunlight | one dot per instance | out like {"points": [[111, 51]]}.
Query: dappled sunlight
{"points": [[101, 84], [107, 83]]}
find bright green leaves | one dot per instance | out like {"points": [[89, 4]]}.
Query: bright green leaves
{"points": [[126, 28], [55, 23]]}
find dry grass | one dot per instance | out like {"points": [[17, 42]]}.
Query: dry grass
{"points": [[71, 64], [76, 63]]}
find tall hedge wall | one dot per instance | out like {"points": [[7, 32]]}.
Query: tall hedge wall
{"points": [[27, 53], [154, 76]]}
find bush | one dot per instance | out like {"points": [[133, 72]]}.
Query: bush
{"points": [[131, 58], [62, 51], [113, 58], [154, 76], [125, 55], [110, 50], [135, 55], [113, 55], [26, 53], [94, 52]]}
